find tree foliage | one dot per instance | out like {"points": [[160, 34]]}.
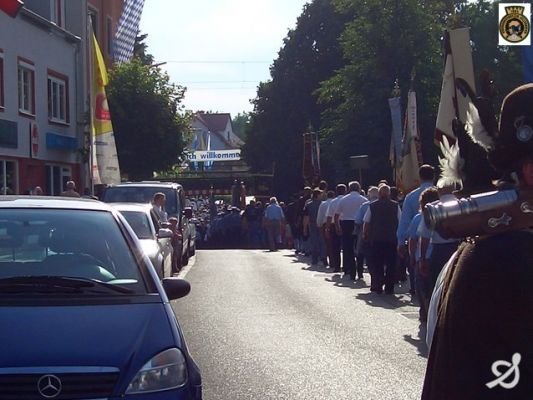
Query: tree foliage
{"points": [[286, 105], [387, 40], [240, 123], [149, 129], [337, 68], [140, 50], [503, 62]]}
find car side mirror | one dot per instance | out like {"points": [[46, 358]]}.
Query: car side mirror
{"points": [[164, 233], [176, 288]]}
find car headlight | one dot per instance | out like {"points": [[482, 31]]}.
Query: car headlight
{"points": [[167, 370]]}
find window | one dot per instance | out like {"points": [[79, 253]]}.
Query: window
{"points": [[8, 177], [56, 179], [58, 106], [1, 79], [26, 87], [58, 12], [109, 35]]}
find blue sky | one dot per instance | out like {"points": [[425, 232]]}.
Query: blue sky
{"points": [[219, 49]]}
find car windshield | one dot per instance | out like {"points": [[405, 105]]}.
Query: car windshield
{"points": [[141, 194], [77, 244], [139, 222]]}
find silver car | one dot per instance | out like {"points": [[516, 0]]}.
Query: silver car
{"points": [[156, 242]]}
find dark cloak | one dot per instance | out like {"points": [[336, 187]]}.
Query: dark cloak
{"points": [[485, 315]]}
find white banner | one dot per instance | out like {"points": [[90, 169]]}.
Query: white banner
{"points": [[214, 155]]}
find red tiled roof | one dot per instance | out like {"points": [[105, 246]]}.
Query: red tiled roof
{"points": [[215, 122]]}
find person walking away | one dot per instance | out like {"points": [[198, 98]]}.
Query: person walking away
{"points": [[176, 249], [323, 186], [286, 235], [335, 238], [273, 220], [431, 263], [37, 191], [252, 225], [362, 247], [310, 225], [411, 205], [345, 224], [421, 284], [380, 226], [321, 220], [70, 190], [260, 217], [300, 206]]}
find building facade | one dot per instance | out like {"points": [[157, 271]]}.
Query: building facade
{"points": [[214, 131], [44, 91], [105, 15], [39, 135]]}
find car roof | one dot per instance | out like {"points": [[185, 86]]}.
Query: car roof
{"points": [[140, 207], [148, 183], [74, 203]]}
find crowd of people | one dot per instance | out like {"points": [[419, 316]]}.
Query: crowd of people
{"points": [[350, 231], [70, 191], [346, 230]]}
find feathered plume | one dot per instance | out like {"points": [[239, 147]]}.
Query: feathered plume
{"points": [[451, 164], [479, 117], [475, 128], [475, 138]]}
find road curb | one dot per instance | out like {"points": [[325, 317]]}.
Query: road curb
{"points": [[185, 270]]}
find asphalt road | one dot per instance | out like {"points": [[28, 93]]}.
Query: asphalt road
{"points": [[268, 326]]}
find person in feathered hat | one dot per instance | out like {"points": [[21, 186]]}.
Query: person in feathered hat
{"points": [[513, 148], [481, 324]]}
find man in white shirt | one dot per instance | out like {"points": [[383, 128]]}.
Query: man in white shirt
{"points": [[345, 225], [321, 220], [158, 204], [335, 261]]}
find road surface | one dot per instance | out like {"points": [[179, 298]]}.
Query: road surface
{"points": [[265, 325]]}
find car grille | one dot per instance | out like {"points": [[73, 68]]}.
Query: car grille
{"points": [[73, 386]]}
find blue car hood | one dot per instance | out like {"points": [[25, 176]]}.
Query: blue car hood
{"points": [[123, 336]]}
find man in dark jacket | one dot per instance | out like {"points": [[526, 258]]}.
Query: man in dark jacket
{"points": [[380, 224]]}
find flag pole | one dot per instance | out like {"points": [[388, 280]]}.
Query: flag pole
{"points": [[91, 102], [396, 93]]}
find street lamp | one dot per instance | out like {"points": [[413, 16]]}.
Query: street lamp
{"points": [[157, 64]]}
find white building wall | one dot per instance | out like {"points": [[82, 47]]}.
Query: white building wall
{"points": [[46, 49]]}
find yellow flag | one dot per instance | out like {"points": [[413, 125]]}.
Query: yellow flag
{"points": [[105, 168]]}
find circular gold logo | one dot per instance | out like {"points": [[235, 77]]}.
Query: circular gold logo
{"points": [[514, 27]]}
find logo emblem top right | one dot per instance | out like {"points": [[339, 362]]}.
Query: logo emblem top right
{"points": [[514, 26]]}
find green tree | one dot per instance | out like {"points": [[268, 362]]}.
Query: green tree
{"points": [[503, 62], [140, 50], [239, 123], [149, 128], [385, 41], [287, 104]]}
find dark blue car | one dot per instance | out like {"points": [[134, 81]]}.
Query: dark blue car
{"points": [[83, 313]]}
